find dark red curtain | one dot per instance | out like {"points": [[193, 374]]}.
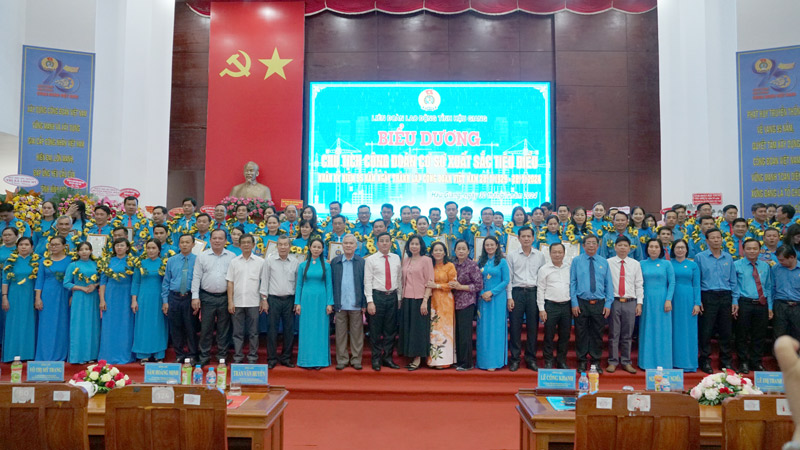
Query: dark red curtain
{"points": [[491, 7]]}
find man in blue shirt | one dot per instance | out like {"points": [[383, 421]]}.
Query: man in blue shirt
{"points": [[720, 299], [363, 227], [335, 209], [349, 303], [754, 291], [786, 293], [621, 221], [176, 289], [289, 225], [772, 238], [450, 226], [591, 291], [697, 238]]}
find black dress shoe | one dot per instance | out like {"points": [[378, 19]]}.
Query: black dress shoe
{"points": [[288, 364], [513, 366], [706, 367], [744, 368], [272, 364], [548, 364], [390, 364], [532, 365], [376, 366], [563, 365], [583, 367], [758, 367]]}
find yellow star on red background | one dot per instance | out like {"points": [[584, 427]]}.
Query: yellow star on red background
{"points": [[275, 64]]}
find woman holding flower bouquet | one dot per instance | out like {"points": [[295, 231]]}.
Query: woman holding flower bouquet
{"points": [[116, 332], [84, 317], [19, 278], [52, 302], [150, 327]]}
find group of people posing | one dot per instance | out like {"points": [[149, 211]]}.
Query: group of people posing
{"points": [[420, 281]]}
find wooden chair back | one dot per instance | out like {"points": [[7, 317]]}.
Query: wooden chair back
{"points": [[32, 418], [752, 421], [619, 421], [149, 417]]}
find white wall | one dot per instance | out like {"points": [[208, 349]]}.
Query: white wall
{"points": [[698, 41], [132, 40], [697, 75]]}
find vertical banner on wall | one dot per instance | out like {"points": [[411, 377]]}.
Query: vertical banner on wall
{"points": [[769, 126], [55, 127], [255, 96]]}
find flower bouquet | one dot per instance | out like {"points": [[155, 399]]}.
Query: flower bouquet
{"points": [[715, 388], [102, 375], [256, 206]]}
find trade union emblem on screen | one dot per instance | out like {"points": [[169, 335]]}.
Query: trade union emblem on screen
{"points": [[429, 100]]}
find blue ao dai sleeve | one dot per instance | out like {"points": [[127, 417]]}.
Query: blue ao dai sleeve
{"points": [[670, 281]]}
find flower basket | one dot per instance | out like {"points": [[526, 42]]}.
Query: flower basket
{"points": [[715, 388], [103, 375], [256, 206]]}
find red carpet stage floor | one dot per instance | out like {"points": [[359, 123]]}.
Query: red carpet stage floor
{"points": [[397, 409]]}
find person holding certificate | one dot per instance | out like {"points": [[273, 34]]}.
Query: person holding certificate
{"points": [[99, 223], [52, 302]]}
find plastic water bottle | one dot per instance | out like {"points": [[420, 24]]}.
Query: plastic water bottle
{"points": [[186, 372], [197, 375], [658, 378], [583, 385], [594, 379], [16, 370], [222, 374], [211, 378]]}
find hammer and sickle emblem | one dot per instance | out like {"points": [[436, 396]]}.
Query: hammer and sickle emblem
{"points": [[244, 70]]}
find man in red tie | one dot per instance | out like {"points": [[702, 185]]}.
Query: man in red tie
{"points": [[754, 296], [382, 287], [665, 236], [626, 273]]}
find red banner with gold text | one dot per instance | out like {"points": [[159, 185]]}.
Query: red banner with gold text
{"points": [[255, 97]]}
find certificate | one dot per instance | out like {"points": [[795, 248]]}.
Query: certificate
{"points": [[98, 242], [199, 246], [401, 244], [478, 246], [130, 234], [545, 249], [571, 251], [299, 257], [334, 249], [443, 239], [270, 249], [512, 244]]}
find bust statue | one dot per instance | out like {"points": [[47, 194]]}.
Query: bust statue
{"points": [[251, 188]]}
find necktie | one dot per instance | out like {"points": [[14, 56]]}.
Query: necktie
{"points": [[741, 248], [388, 273], [184, 275], [761, 299], [592, 281], [130, 223], [666, 256], [622, 278]]}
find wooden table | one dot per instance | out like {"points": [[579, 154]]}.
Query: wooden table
{"points": [[540, 424], [260, 418]]}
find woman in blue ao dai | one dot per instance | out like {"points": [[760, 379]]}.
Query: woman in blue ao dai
{"points": [[52, 302]]}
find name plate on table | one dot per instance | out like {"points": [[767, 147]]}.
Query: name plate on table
{"points": [[675, 379], [769, 381], [557, 379], [162, 373], [252, 374], [46, 371]]}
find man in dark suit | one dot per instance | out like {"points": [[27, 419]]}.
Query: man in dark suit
{"points": [[349, 303]]}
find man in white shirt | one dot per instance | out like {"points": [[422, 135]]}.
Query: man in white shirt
{"points": [[244, 275], [523, 266], [383, 289], [210, 296], [552, 296], [277, 298], [626, 274]]}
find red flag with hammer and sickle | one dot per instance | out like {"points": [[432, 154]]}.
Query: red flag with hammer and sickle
{"points": [[255, 96]]}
